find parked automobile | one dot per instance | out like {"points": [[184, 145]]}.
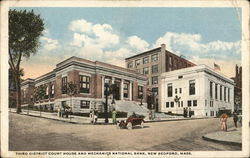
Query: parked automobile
{"points": [[131, 121]]}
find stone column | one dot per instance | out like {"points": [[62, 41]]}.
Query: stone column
{"points": [[130, 90], [103, 77], [121, 94]]}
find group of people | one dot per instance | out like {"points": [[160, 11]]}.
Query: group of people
{"points": [[61, 112], [223, 121], [93, 116], [187, 112]]}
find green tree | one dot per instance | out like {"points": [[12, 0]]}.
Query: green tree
{"points": [[25, 28], [40, 93], [71, 90]]}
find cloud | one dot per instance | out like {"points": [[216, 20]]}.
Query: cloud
{"points": [[81, 26], [137, 43], [191, 45], [49, 44]]}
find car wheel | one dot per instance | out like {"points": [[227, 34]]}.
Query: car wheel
{"points": [[142, 124], [129, 125]]}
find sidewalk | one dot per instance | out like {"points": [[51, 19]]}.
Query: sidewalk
{"points": [[232, 137], [85, 120]]}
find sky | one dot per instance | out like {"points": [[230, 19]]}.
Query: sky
{"points": [[202, 35]]}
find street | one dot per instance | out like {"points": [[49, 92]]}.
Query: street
{"points": [[33, 133]]}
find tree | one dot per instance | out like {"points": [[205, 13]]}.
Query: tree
{"points": [[40, 94], [71, 90], [25, 28]]}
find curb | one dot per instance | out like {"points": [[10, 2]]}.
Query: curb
{"points": [[176, 120], [222, 142]]}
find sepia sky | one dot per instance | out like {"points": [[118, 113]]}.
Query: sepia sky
{"points": [[202, 35]]}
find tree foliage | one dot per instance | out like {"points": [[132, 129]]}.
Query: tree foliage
{"points": [[25, 28]]}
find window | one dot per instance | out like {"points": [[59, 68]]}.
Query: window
{"points": [[130, 65], [167, 104], [155, 91], [138, 71], [211, 89], [170, 60], [154, 57], [145, 71], [176, 90], [24, 93], [52, 90], [145, 60], [191, 87], [179, 77], [172, 104], [84, 84], [211, 103], [205, 102], [84, 104], [228, 95], [140, 92], [154, 69], [194, 102], [181, 103], [220, 92], [137, 62], [155, 80], [64, 85], [46, 92], [216, 91], [170, 90], [189, 103], [125, 90], [180, 90], [225, 92]]}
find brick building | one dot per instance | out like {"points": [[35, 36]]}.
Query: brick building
{"points": [[153, 63], [238, 88], [89, 78]]}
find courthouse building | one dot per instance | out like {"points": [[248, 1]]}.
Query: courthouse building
{"points": [[89, 77], [153, 63], [200, 89]]}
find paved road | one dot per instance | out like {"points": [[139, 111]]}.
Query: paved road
{"points": [[32, 133]]}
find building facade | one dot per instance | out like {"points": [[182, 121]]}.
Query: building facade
{"points": [[238, 88], [153, 63], [200, 89], [89, 78]]}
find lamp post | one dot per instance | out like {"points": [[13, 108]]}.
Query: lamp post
{"points": [[113, 93], [106, 85]]}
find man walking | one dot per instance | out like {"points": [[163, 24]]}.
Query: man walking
{"points": [[114, 116], [235, 118]]}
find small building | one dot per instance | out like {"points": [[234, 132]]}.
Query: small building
{"points": [[200, 89], [89, 78], [153, 63]]}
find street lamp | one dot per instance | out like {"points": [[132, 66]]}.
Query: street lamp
{"points": [[106, 85]]}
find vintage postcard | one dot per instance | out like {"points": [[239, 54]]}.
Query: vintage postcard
{"points": [[124, 78]]}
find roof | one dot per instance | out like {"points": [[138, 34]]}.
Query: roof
{"points": [[143, 53]]}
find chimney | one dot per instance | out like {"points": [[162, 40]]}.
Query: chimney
{"points": [[163, 58]]}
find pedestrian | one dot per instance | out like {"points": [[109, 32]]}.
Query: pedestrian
{"points": [[189, 112], [235, 118], [58, 112], [114, 116], [91, 116], [153, 114], [223, 122], [150, 115], [96, 116]]}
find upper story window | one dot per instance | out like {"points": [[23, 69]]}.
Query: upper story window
{"points": [[154, 57], [194, 102], [145, 71], [155, 91], [130, 65], [154, 69], [46, 92], [216, 91], [211, 89], [145, 60], [155, 80], [52, 90], [192, 87], [170, 60], [180, 90], [64, 85], [125, 90], [84, 84], [225, 93], [138, 62], [170, 90], [140, 92], [220, 92]]}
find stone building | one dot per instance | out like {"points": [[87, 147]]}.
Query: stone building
{"points": [[89, 78], [238, 88], [153, 63], [200, 89]]}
